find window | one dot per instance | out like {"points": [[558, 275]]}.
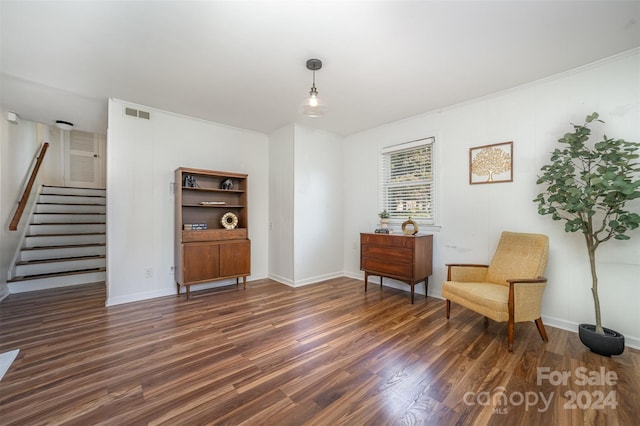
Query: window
{"points": [[407, 182]]}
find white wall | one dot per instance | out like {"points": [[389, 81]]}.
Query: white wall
{"points": [[142, 156], [281, 188], [318, 205], [472, 216], [52, 171], [306, 199], [18, 147]]}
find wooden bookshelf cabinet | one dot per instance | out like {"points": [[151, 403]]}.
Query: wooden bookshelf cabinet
{"points": [[206, 250]]}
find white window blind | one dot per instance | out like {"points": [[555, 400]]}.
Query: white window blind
{"points": [[407, 181]]}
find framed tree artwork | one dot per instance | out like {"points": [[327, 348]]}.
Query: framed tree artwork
{"points": [[491, 163]]}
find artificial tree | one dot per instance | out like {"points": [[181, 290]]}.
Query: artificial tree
{"points": [[588, 186]]}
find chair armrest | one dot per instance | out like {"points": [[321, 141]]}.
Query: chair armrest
{"points": [[466, 272], [525, 300], [527, 280], [467, 264]]}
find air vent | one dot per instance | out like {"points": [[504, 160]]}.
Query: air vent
{"points": [[135, 113]]}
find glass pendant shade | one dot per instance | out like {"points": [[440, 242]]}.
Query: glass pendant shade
{"points": [[313, 106]]}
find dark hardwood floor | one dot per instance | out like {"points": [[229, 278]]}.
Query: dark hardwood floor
{"points": [[324, 354]]}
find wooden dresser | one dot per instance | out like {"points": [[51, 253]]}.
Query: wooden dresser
{"points": [[406, 258]]}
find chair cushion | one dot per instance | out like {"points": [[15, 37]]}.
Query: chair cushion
{"points": [[518, 255], [488, 299]]}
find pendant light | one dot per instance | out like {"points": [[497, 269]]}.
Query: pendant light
{"points": [[313, 106]]}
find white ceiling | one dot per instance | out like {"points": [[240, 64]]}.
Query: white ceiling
{"points": [[242, 63]]}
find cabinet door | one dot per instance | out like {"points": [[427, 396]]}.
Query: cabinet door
{"points": [[201, 262], [235, 258]]}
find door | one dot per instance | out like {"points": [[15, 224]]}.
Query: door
{"points": [[84, 159]]}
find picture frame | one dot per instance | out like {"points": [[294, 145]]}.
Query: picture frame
{"points": [[491, 163]]}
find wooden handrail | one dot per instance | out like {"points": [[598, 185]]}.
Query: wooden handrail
{"points": [[27, 190]]}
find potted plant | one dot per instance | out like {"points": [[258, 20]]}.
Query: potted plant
{"points": [[587, 187], [384, 219]]}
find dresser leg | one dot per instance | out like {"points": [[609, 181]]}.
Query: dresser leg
{"points": [[412, 286], [381, 283], [426, 287], [244, 282]]}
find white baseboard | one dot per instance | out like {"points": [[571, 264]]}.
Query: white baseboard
{"points": [[355, 276], [119, 300], [4, 292], [282, 280], [221, 283], [306, 281], [318, 278], [171, 291]]}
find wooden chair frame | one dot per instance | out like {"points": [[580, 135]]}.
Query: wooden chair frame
{"points": [[511, 305]]}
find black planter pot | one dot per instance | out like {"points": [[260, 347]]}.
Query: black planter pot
{"points": [[607, 344]]}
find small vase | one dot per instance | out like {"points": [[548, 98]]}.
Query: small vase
{"points": [[384, 223]]}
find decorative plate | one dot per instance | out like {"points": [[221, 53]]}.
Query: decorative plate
{"points": [[229, 220]]}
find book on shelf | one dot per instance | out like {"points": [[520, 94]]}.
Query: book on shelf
{"points": [[194, 226]]}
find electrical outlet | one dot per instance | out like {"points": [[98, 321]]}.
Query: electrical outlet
{"points": [[172, 270], [148, 273], [354, 246]]}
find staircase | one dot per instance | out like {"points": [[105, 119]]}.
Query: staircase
{"points": [[66, 241]]}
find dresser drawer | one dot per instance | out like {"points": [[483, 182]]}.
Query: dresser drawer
{"points": [[387, 240], [387, 267], [388, 254]]}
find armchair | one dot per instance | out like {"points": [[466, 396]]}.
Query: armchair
{"points": [[509, 289]]}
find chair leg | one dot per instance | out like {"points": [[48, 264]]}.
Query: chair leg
{"points": [[448, 308], [541, 330], [512, 317], [510, 333], [486, 322]]}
